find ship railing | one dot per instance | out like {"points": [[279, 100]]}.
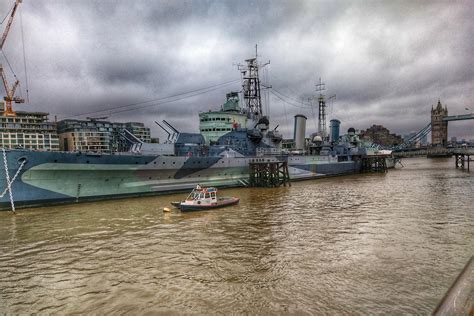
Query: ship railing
{"points": [[268, 152]]}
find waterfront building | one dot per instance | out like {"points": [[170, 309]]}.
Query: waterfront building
{"points": [[439, 128], [380, 135], [29, 130], [214, 124], [99, 136]]}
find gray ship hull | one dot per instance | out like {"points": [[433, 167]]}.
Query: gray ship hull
{"points": [[59, 177]]}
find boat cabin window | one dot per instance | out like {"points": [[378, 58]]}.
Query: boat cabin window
{"points": [[207, 196]]}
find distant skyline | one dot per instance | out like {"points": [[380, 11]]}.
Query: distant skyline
{"points": [[387, 62]]}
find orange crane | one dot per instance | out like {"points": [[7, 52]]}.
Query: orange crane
{"points": [[10, 92]]}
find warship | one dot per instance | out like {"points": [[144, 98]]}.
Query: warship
{"points": [[217, 157]]}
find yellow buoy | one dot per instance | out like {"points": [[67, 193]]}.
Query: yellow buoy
{"points": [[165, 209]]}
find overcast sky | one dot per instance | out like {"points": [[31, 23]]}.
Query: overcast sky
{"points": [[387, 62]]}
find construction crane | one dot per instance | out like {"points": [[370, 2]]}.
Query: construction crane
{"points": [[10, 92]]}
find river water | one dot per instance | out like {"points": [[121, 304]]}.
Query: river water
{"points": [[363, 244]]}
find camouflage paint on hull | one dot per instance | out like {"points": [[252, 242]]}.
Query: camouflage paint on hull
{"points": [[58, 177]]}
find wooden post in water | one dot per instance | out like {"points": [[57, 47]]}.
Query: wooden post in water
{"points": [[459, 158], [269, 174], [373, 164]]}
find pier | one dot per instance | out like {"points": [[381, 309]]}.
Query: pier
{"points": [[374, 163], [462, 158], [432, 152], [268, 173]]}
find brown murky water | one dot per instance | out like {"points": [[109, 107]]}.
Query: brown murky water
{"points": [[372, 244]]}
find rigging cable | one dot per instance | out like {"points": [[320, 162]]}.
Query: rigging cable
{"points": [[284, 107], [282, 97], [185, 94], [9, 65], [24, 56], [288, 87], [293, 99], [8, 13], [174, 100]]}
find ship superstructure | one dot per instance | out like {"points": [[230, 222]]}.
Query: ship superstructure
{"points": [[214, 124]]}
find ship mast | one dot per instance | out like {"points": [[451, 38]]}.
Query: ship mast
{"points": [[320, 87], [251, 89]]}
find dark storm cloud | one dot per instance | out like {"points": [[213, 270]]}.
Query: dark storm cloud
{"points": [[387, 62]]}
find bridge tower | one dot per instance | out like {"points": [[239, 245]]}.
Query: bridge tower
{"points": [[439, 128]]}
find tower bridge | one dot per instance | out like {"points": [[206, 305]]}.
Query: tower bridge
{"points": [[438, 127], [459, 117], [439, 124]]}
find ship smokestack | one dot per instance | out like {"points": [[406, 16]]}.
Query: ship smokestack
{"points": [[300, 130], [334, 127]]}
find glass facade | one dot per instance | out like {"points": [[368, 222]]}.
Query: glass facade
{"points": [[28, 130], [99, 136]]}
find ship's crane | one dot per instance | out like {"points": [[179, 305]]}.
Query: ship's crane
{"points": [[10, 92]]}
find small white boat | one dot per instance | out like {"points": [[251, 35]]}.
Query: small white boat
{"points": [[204, 199]]}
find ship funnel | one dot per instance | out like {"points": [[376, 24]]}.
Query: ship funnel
{"points": [[334, 127], [300, 130]]}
